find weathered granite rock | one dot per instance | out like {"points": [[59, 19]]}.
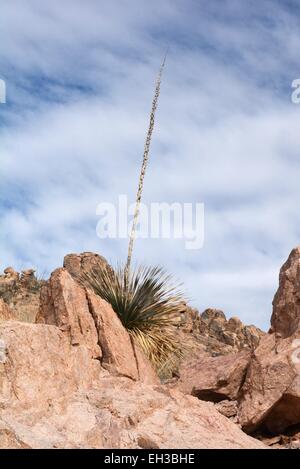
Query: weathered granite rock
{"points": [[21, 293], [38, 364], [285, 319], [63, 303], [215, 334], [214, 378], [54, 395], [271, 392], [88, 320], [78, 264], [5, 312]]}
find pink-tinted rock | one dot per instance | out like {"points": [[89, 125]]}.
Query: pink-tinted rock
{"points": [[90, 321], [228, 408], [78, 264], [117, 351], [146, 372], [20, 293], [285, 319], [121, 413], [38, 364], [271, 392], [5, 312], [63, 303], [214, 378], [214, 334]]}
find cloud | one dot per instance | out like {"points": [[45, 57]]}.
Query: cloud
{"points": [[80, 79]]}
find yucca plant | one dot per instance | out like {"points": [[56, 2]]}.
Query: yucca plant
{"points": [[148, 303], [144, 298]]}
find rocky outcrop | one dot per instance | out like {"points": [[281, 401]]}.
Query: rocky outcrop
{"points": [[271, 393], [228, 408], [213, 333], [63, 303], [88, 320], [55, 395], [79, 264], [21, 293], [260, 388], [285, 319], [76, 378], [5, 312], [38, 364], [215, 378], [117, 352]]}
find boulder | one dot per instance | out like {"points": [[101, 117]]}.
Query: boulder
{"points": [[20, 293], [10, 273], [214, 333], [214, 378], [228, 408], [63, 303], [28, 278], [77, 379], [53, 395], [117, 350], [270, 397], [5, 312], [88, 320], [78, 264], [285, 319], [38, 364]]}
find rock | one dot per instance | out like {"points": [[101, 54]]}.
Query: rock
{"points": [[54, 395], [77, 379], [117, 351], [78, 264], [211, 314], [271, 393], [10, 273], [228, 408], [63, 303], [90, 321], [270, 396], [286, 304], [8, 439], [235, 325], [213, 333], [39, 364], [28, 278], [214, 378], [5, 312], [251, 337], [20, 293], [274, 441], [28, 273], [146, 373]]}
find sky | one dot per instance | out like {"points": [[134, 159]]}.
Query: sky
{"points": [[80, 79]]}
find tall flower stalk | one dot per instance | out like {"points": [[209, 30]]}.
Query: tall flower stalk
{"points": [[146, 300], [144, 168]]}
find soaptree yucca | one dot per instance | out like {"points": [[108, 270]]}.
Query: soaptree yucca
{"points": [[148, 303], [144, 299]]}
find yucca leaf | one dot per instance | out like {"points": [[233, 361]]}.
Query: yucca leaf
{"points": [[148, 304]]}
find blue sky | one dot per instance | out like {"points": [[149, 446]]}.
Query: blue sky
{"points": [[80, 79]]}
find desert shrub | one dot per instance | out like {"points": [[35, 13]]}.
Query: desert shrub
{"points": [[148, 303]]}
